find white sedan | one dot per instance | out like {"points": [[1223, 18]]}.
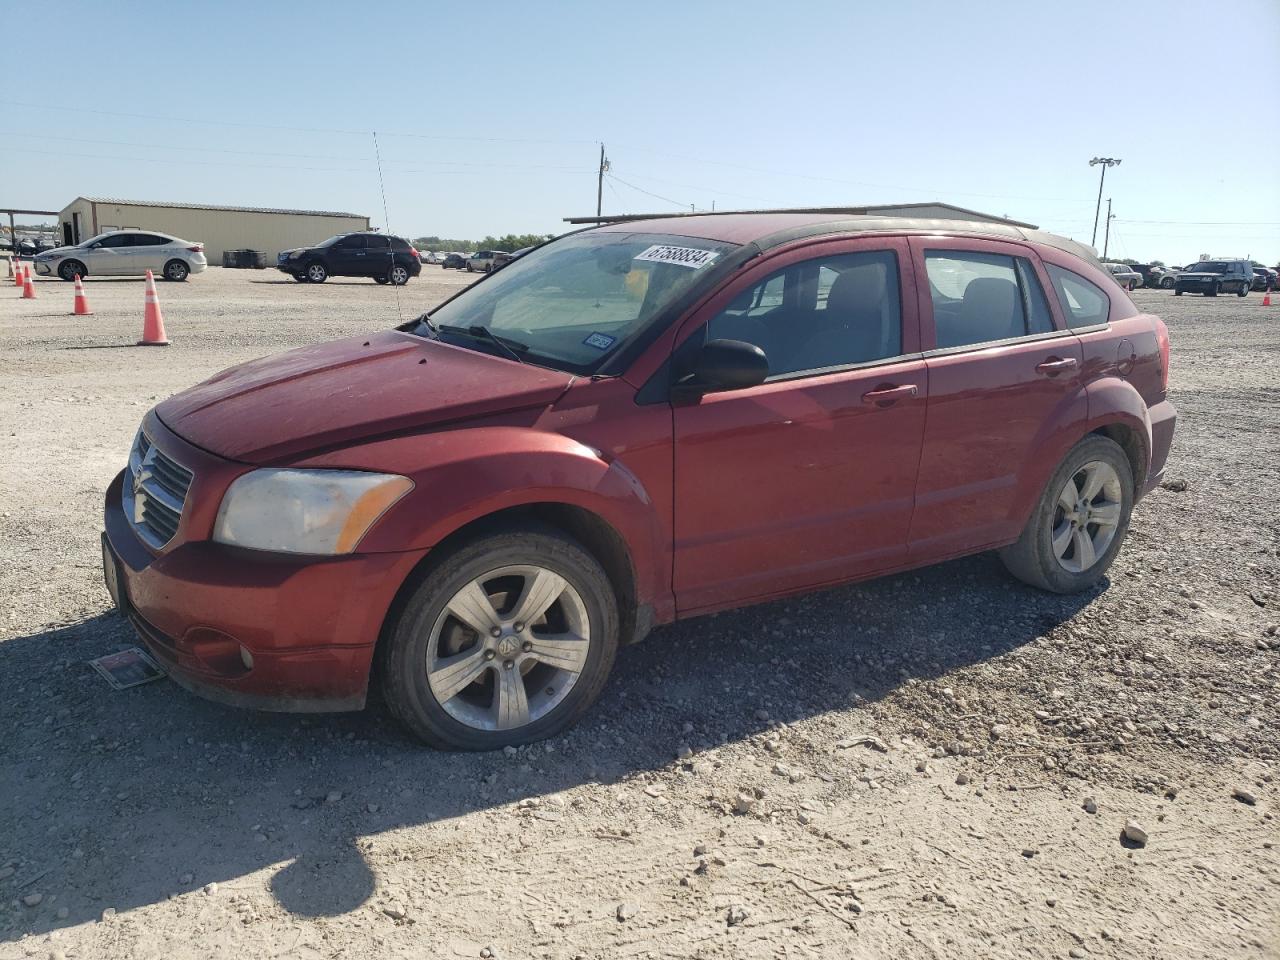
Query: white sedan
{"points": [[125, 253]]}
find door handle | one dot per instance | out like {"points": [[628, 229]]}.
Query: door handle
{"points": [[1056, 365], [883, 396]]}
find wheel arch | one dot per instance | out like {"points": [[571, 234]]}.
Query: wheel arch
{"points": [[1136, 449]]}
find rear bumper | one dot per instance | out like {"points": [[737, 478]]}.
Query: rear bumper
{"points": [[1164, 417], [307, 624]]}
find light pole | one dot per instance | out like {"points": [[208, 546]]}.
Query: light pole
{"points": [[1106, 241], [1106, 162]]}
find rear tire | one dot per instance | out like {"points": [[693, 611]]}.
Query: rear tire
{"points": [[379, 279], [425, 630], [1033, 558], [1243, 291], [399, 275], [1167, 283], [176, 270], [1212, 291]]}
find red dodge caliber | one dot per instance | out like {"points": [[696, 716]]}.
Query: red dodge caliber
{"points": [[627, 426]]}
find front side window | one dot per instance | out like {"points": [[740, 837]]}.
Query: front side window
{"points": [[829, 312], [1084, 303], [116, 240], [351, 243], [573, 302], [984, 297]]}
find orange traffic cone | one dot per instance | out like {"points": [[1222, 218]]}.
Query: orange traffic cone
{"points": [[81, 308], [152, 320], [28, 287], [18, 274], [1266, 300]]}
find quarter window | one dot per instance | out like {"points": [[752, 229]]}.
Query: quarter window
{"points": [[983, 297], [829, 312], [1083, 302]]}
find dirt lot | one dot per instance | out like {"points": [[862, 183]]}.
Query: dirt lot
{"points": [[937, 764]]}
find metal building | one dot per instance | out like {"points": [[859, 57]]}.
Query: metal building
{"points": [[931, 211], [218, 228]]}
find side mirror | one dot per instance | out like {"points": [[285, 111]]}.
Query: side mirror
{"points": [[727, 365]]}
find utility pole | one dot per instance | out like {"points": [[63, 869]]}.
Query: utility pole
{"points": [[1106, 162], [1107, 235], [604, 166]]}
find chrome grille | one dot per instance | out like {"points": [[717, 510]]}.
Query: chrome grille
{"points": [[155, 492]]}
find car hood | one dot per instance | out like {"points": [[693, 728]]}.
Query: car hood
{"points": [[332, 394]]}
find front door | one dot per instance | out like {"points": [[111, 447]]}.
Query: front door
{"points": [[1003, 368], [807, 478], [347, 256], [110, 256]]}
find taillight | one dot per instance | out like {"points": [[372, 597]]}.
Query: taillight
{"points": [[414, 251], [1162, 337], [198, 248]]}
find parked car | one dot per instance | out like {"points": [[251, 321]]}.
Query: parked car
{"points": [[1154, 276], [620, 430], [433, 256], [454, 261], [124, 253], [486, 261], [1264, 278], [1211, 277], [1124, 275], [379, 256]]}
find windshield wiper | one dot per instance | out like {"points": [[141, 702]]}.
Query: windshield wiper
{"points": [[481, 332]]}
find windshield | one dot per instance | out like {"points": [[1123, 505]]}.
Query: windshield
{"points": [[1208, 266], [571, 303], [331, 240]]}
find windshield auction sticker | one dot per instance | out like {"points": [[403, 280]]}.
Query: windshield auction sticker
{"points": [[680, 256]]}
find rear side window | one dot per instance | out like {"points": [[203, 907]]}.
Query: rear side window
{"points": [[148, 240], [984, 297], [1084, 303], [378, 243]]}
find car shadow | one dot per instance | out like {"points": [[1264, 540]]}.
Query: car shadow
{"points": [[119, 799]]}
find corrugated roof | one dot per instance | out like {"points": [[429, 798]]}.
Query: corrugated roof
{"points": [[215, 206]]}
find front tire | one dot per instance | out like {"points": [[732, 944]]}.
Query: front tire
{"points": [[1212, 291], [316, 273], [379, 279], [1079, 522], [1243, 291], [68, 269], [176, 271], [507, 640]]}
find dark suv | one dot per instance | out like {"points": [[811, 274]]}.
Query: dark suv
{"points": [[376, 255], [1212, 277]]}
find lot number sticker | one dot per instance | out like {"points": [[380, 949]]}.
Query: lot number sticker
{"points": [[690, 257], [601, 341]]}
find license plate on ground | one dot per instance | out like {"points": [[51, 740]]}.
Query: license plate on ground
{"points": [[111, 574]]}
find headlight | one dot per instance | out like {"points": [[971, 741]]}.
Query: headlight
{"points": [[295, 254], [305, 511]]}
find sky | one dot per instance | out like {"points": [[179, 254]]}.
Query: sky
{"points": [[489, 117]]}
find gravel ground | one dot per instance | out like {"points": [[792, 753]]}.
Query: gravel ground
{"points": [[938, 764]]}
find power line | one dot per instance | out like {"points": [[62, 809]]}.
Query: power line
{"points": [[647, 193]]}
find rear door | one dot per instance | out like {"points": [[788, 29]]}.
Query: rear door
{"points": [[377, 256], [1003, 371], [807, 478], [150, 251]]}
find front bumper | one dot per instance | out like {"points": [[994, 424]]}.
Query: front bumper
{"points": [[308, 624], [45, 267]]}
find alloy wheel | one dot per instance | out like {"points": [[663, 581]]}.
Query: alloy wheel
{"points": [[399, 275], [1086, 516], [508, 647]]}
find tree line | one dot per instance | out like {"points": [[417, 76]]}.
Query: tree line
{"points": [[509, 242]]}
